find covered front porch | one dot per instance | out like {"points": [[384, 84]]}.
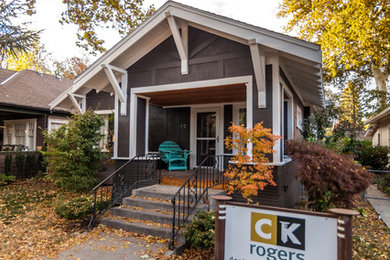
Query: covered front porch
{"points": [[195, 115]]}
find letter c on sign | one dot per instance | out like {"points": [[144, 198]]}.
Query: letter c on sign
{"points": [[259, 225]]}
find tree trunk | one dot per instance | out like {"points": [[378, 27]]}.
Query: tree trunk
{"points": [[380, 81]]}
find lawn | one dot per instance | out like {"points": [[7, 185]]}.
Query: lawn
{"points": [[30, 228]]}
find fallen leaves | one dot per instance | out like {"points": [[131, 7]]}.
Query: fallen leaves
{"points": [[371, 237]]}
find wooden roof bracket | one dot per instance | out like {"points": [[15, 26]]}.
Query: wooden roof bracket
{"points": [[181, 41], [258, 60], [120, 90], [81, 107]]}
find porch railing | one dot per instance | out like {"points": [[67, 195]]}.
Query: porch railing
{"points": [[208, 175], [140, 171]]}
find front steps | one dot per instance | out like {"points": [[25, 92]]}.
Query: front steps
{"points": [[149, 211]]}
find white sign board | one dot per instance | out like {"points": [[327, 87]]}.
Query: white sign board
{"points": [[254, 233]]}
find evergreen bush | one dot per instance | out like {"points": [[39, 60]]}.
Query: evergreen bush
{"points": [[20, 163], [200, 234], [73, 152], [8, 164]]}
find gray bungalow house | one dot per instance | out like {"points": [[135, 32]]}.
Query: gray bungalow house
{"points": [[185, 74]]}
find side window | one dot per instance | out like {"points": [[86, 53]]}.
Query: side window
{"points": [[299, 118]]}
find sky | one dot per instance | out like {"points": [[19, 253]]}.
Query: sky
{"points": [[59, 40]]}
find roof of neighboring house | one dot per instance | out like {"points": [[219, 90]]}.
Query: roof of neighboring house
{"points": [[376, 118], [29, 88], [5, 74], [300, 58]]}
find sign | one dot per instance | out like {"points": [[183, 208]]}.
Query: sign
{"points": [[256, 233]]}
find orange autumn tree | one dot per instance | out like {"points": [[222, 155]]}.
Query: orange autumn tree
{"points": [[249, 174]]}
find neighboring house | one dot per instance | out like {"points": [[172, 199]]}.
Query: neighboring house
{"points": [[185, 74], [379, 129], [24, 108]]}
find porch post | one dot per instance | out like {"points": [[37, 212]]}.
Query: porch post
{"points": [[273, 59]]}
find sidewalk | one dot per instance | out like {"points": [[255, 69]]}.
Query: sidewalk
{"points": [[111, 246], [381, 204]]}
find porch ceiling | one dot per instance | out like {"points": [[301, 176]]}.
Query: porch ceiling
{"points": [[207, 95]]}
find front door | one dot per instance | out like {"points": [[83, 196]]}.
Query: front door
{"points": [[207, 136]]}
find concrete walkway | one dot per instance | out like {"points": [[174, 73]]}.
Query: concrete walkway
{"points": [[110, 246], [380, 202]]}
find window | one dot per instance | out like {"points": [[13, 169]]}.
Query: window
{"points": [[21, 132], [379, 139], [106, 129], [299, 118], [55, 124]]}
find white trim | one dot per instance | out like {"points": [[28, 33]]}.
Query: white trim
{"points": [[137, 92], [115, 85], [290, 109], [55, 120], [180, 42], [193, 84], [276, 105], [193, 130], [81, 108], [116, 122], [258, 61], [147, 126], [9, 78], [104, 112]]}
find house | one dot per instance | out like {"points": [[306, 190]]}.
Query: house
{"points": [[185, 74], [379, 129], [24, 108]]}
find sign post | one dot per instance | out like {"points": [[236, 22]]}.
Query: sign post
{"points": [[220, 216], [344, 234]]}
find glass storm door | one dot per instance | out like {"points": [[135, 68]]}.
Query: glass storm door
{"points": [[206, 135]]}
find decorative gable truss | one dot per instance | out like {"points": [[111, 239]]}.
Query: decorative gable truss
{"points": [[120, 88], [78, 101], [181, 41]]}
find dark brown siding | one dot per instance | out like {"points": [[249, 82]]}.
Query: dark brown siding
{"points": [[100, 101], [285, 194], [141, 116], [171, 124], [124, 132], [41, 125], [264, 114], [227, 120]]}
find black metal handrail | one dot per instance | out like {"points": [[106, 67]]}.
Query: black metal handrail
{"points": [[207, 175], [138, 171]]}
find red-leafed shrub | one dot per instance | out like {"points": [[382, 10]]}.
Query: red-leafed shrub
{"points": [[329, 178]]}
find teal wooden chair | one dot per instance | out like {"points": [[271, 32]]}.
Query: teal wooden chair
{"points": [[172, 154]]}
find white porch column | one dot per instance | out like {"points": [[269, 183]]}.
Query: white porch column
{"points": [[273, 59]]}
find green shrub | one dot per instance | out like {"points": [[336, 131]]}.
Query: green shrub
{"points": [[77, 208], [20, 162], [73, 153], [200, 234], [6, 179], [8, 164], [330, 178], [30, 165], [374, 157], [383, 183]]}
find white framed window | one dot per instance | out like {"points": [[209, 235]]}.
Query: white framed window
{"points": [[105, 129], [55, 124], [21, 132]]}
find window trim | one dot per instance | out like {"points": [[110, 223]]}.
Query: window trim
{"points": [[26, 122]]}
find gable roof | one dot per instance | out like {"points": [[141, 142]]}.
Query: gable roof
{"points": [[29, 88], [381, 115], [300, 58]]}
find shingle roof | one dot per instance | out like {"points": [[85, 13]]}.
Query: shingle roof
{"points": [[30, 89], [5, 74]]}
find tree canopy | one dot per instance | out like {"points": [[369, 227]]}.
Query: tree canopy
{"points": [[354, 36], [16, 39], [89, 15]]}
